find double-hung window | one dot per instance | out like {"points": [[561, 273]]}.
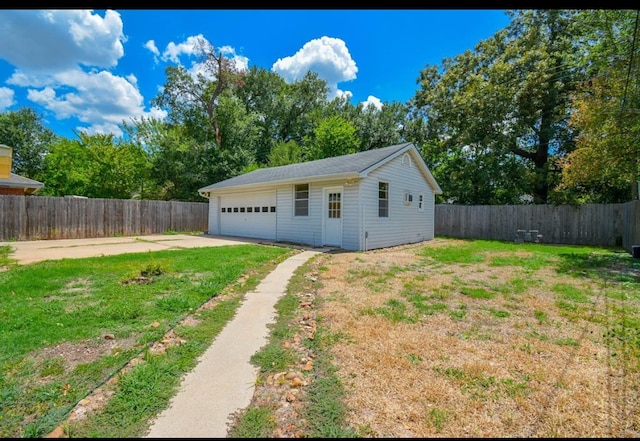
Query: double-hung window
{"points": [[301, 200], [383, 199]]}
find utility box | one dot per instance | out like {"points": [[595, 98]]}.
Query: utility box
{"points": [[528, 236]]}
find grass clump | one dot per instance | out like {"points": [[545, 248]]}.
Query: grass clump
{"points": [[5, 260]]}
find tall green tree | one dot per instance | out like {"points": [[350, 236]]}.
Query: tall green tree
{"points": [[239, 128], [96, 166], [282, 111], [605, 166], [176, 165], [24, 131], [180, 164], [255, 110], [300, 103], [193, 99], [261, 96], [375, 127], [335, 136], [285, 153], [510, 96]]}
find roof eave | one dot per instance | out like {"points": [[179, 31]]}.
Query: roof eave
{"points": [[333, 176], [423, 167], [19, 185], [430, 178], [386, 159]]}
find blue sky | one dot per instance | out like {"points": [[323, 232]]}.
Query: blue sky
{"points": [[89, 70]]}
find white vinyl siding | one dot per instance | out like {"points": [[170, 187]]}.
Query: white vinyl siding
{"points": [[405, 224], [351, 215], [299, 229], [214, 216], [308, 229]]}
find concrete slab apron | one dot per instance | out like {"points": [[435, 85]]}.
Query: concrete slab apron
{"points": [[223, 380], [34, 251]]}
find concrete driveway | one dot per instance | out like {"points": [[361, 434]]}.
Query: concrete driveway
{"points": [[36, 250]]}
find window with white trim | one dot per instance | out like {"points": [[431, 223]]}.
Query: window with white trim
{"points": [[383, 199], [301, 200]]}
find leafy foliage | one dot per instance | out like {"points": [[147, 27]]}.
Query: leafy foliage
{"points": [[284, 153], [606, 163], [505, 106], [24, 131], [334, 136], [97, 166]]}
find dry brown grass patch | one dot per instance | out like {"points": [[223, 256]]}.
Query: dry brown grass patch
{"points": [[513, 365]]}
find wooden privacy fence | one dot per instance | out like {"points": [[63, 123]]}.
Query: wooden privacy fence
{"points": [[40, 217], [589, 224]]}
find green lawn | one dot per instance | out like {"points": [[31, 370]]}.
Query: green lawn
{"points": [[68, 326]]}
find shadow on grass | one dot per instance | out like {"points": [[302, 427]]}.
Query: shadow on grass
{"points": [[618, 266]]}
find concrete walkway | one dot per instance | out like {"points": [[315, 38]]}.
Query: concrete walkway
{"points": [[223, 380]]}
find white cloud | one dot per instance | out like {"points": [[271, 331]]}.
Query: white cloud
{"points": [[373, 101], [58, 56], [6, 98], [151, 46], [99, 99], [174, 51], [25, 79], [343, 94], [328, 57], [49, 40]]}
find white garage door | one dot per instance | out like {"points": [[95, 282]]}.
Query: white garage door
{"points": [[249, 215]]}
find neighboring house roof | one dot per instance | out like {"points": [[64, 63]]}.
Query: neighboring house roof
{"points": [[355, 165], [17, 181]]}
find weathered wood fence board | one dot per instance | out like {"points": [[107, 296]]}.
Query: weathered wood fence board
{"points": [[589, 224], [631, 225], [41, 217]]}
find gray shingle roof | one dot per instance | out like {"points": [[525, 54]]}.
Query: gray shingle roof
{"points": [[17, 181], [339, 165]]}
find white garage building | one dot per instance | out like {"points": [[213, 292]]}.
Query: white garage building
{"points": [[374, 199]]}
